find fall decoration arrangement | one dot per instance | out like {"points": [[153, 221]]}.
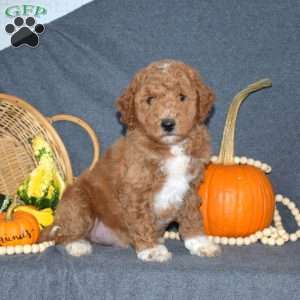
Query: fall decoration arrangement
{"points": [[34, 170], [21, 224], [20, 124], [238, 202], [237, 199]]}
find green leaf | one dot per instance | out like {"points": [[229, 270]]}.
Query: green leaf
{"points": [[4, 202]]}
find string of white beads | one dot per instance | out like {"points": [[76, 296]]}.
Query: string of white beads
{"points": [[243, 160], [272, 235], [26, 249]]}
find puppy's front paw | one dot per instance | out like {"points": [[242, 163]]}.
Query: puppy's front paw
{"points": [[158, 253], [202, 246], [79, 248]]}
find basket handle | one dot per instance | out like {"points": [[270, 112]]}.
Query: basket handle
{"points": [[86, 127]]}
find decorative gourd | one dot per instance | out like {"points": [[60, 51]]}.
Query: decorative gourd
{"points": [[18, 228], [44, 186], [237, 200]]}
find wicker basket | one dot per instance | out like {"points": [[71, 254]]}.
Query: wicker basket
{"points": [[19, 123]]}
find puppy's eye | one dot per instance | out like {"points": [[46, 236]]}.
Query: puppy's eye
{"points": [[182, 97], [150, 99]]}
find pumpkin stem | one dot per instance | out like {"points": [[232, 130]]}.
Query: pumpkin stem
{"points": [[226, 155], [9, 213]]}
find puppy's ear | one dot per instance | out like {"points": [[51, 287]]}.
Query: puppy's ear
{"points": [[125, 104], [205, 95]]}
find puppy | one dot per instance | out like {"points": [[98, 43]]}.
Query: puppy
{"points": [[149, 177]]}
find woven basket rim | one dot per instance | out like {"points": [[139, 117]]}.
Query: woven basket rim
{"points": [[53, 134]]}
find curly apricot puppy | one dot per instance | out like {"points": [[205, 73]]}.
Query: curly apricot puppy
{"points": [[149, 177]]}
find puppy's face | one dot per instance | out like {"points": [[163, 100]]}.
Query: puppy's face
{"points": [[166, 106], [165, 99]]}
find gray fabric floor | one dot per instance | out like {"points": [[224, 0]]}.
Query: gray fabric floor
{"points": [[254, 272], [83, 62]]}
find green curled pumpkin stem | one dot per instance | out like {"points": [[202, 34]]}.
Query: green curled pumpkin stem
{"points": [[10, 210], [226, 155]]}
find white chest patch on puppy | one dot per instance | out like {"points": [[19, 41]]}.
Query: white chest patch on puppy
{"points": [[177, 180]]}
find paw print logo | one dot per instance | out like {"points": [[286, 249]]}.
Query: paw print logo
{"points": [[24, 33]]}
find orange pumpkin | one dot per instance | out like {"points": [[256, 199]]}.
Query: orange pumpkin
{"points": [[237, 200], [18, 228]]}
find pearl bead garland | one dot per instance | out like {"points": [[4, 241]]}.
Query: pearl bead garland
{"points": [[273, 235], [247, 161], [26, 249]]}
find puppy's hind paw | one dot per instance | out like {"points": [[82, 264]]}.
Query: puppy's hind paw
{"points": [[158, 253], [202, 246], [79, 248]]}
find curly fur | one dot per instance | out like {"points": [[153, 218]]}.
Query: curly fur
{"points": [[128, 191]]}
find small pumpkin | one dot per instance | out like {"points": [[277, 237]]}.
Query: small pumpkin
{"points": [[237, 200], [18, 228], [45, 216]]}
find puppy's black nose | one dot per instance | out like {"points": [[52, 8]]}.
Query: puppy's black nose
{"points": [[168, 124]]}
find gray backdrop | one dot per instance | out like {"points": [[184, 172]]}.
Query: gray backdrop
{"points": [[83, 62]]}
